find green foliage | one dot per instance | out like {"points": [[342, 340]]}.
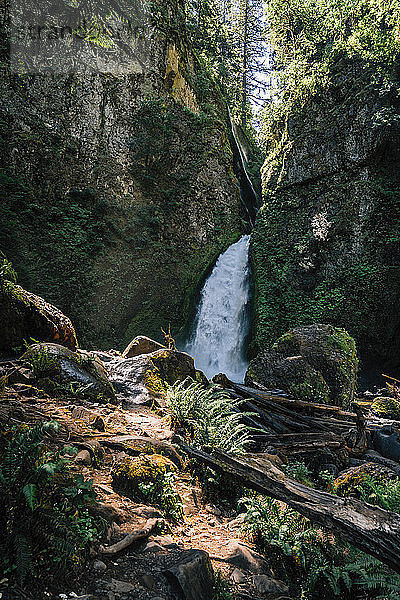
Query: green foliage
{"points": [[381, 493], [310, 37], [300, 280], [53, 248], [299, 471], [165, 156], [161, 491], [229, 41], [222, 589], [6, 270], [44, 527], [352, 481], [40, 360], [149, 477], [208, 415], [313, 562], [333, 58]]}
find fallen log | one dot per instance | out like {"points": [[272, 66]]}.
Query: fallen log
{"points": [[295, 404], [369, 528], [284, 415], [298, 443], [130, 538]]}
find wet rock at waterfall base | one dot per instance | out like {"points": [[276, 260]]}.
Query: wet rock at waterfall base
{"points": [[25, 316], [315, 363], [57, 368]]}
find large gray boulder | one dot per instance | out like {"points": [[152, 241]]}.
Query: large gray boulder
{"points": [[141, 379], [314, 362], [57, 367]]}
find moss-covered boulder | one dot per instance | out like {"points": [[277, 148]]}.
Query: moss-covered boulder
{"points": [[141, 345], [24, 315], [314, 362], [59, 369], [349, 481], [386, 407], [133, 476], [291, 374]]}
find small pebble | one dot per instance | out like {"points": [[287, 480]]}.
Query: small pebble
{"points": [[153, 547], [99, 566], [237, 576]]}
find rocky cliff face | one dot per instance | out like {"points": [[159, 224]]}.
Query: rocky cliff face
{"points": [[326, 244], [117, 189]]}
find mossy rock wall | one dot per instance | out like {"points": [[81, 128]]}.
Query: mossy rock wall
{"points": [[326, 244], [117, 190]]}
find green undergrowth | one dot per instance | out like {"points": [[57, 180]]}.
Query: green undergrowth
{"points": [[313, 562], [207, 417], [46, 525]]}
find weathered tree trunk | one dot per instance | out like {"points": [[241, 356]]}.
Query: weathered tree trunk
{"points": [[369, 528], [299, 443]]}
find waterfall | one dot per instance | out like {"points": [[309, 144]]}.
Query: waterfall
{"points": [[218, 338]]}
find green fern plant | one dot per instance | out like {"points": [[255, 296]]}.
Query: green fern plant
{"points": [[385, 494], [209, 415], [41, 361], [299, 471], [38, 521]]}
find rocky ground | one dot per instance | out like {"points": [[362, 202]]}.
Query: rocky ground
{"points": [[209, 533], [112, 409]]}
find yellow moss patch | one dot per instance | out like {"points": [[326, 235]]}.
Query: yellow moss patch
{"points": [[153, 382], [351, 479], [176, 83], [129, 473], [386, 407]]}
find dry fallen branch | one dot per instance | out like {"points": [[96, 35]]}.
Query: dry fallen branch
{"points": [[131, 537]]}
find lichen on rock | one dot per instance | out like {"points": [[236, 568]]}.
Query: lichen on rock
{"points": [[348, 482], [141, 379], [386, 407], [57, 368]]}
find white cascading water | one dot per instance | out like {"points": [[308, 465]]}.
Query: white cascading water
{"points": [[218, 339]]}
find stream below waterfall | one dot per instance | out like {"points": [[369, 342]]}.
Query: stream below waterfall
{"points": [[221, 326]]}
